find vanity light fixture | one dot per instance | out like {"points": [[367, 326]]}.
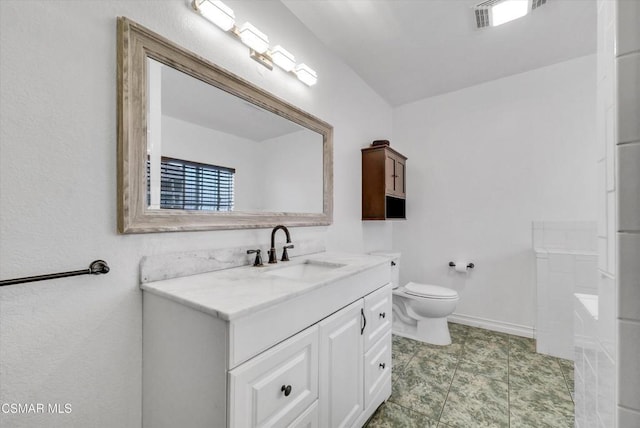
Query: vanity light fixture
{"points": [[283, 58], [254, 38], [492, 13], [216, 12], [223, 17], [306, 75]]}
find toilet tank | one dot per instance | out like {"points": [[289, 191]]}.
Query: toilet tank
{"points": [[394, 259]]}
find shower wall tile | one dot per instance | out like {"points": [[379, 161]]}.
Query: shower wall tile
{"points": [[611, 232], [629, 98], [607, 314], [606, 405], [628, 215], [629, 191], [629, 388], [628, 418], [629, 275], [628, 36], [602, 199], [610, 142], [565, 235]]}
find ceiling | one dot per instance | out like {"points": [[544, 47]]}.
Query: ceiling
{"points": [[407, 50]]}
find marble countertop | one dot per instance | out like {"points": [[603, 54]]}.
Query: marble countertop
{"points": [[232, 293]]}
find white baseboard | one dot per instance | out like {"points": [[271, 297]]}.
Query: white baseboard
{"points": [[500, 326]]}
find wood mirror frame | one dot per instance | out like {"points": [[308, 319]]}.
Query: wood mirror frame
{"points": [[135, 44]]}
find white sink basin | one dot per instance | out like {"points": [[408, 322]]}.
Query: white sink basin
{"points": [[306, 269]]}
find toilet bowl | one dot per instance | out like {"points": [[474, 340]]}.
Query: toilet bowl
{"points": [[420, 310]]}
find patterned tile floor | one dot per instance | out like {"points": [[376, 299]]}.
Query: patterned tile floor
{"points": [[483, 379]]}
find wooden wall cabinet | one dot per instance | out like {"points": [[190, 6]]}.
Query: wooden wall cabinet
{"points": [[383, 184]]}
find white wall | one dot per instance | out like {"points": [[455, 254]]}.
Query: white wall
{"points": [[78, 340], [485, 161]]}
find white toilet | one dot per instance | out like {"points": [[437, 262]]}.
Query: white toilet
{"points": [[420, 310]]}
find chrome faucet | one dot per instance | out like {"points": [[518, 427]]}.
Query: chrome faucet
{"points": [[272, 251]]}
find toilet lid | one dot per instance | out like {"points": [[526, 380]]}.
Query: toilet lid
{"points": [[431, 291]]}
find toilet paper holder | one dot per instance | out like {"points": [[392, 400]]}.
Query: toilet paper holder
{"points": [[469, 266]]}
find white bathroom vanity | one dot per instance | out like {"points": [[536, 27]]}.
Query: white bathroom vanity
{"points": [[305, 343]]}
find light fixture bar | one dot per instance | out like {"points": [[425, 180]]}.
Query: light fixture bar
{"points": [[223, 17], [263, 58]]}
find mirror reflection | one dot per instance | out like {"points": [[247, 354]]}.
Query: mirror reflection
{"points": [[210, 150]]}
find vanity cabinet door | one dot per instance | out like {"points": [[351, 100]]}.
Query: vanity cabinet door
{"points": [[341, 367], [377, 309], [275, 387], [309, 419]]}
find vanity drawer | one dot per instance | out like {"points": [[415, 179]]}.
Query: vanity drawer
{"points": [[377, 368], [275, 387], [377, 310]]}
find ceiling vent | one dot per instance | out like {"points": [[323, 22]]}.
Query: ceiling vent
{"points": [[491, 13]]}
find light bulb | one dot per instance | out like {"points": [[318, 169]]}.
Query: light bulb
{"points": [[283, 58], [254, 38], [306, 75], [216, 12]]}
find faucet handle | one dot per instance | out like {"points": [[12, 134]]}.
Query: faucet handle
{"points": [[285, 255], [258, 260]]}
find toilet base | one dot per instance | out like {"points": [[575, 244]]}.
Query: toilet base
{"points": [[434, 331]]}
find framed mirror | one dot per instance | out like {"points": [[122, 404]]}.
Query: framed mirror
{"points": [[200, 148]]}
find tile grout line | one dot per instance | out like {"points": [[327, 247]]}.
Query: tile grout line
{"points": [[566, 381], [405, 407], [452, 377]]}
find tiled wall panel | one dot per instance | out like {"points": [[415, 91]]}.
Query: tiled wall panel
{"points": [[629, 191], [566, 263], [629, 275], [627, 66], [629, 364]]}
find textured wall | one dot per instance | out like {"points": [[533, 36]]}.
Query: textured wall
{"points": [[484, 162], [78, 340]]}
